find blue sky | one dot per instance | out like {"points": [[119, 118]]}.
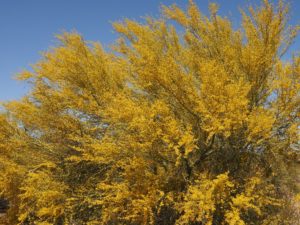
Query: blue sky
{"points": [[29, 26]]}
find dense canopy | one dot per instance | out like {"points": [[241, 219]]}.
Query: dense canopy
{"points": [[184, 122]]}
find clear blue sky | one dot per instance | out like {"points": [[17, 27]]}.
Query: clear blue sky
{"points": [[28, 27]]}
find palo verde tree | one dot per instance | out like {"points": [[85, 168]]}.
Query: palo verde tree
{"points": [[199, 126]]}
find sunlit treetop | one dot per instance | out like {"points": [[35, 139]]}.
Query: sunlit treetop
{"points": [[199, 126]]}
